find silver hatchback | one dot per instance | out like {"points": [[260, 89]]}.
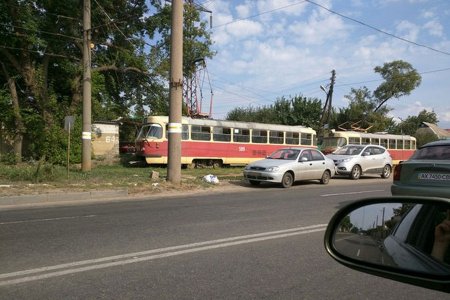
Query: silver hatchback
{"points": [[356, 160], [288, 165]]}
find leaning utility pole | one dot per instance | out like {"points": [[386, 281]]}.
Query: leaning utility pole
{"points": [[326, 111], [86, 134], [176, 94]]}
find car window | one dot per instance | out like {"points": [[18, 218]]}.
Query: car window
{"points": [[290, 154], [375, 150], [417, 228], [349, 150], [316, 155], [441, 152], [404, 227], [307, 154]]}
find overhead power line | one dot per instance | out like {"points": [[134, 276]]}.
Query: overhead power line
{"points": [[262, 13], [377, 29], [377, 80]]}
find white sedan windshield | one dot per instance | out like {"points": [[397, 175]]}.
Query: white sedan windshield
{"points": [[289, 154]]}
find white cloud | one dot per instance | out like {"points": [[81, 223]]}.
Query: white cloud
{"points": [[319, 29], [428, 14], [408, 30], [244, 28], [445, 115], [287, 7], [292, 50], [434, 28], [243, 11]]}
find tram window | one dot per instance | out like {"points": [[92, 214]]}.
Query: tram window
{"points": [[276, 137], [306, 139], [413, 144], [221, 134], [292, 138], [375, 141], [200, 133], [259, 136], [241, 135], [365, 141], [408, 144], [152, 131], [354, 140], [392, 144], [399, 144], [384, 143], [185, 132]]}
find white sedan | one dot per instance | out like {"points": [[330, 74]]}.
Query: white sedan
{"points": [[288, 165]]}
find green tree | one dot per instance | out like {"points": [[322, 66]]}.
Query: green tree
{"points": [[42, 51], [196, 38], [346, 225], [410, 125], [297, 110], [360, 113], [366, 109], [400, 79]]}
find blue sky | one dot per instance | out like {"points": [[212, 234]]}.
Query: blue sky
{"points": [[267, 49]]}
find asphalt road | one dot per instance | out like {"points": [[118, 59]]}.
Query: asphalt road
{"points": [[248, 243]]}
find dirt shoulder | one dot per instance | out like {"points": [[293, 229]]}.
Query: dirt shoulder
{"points": [[135, 190]]}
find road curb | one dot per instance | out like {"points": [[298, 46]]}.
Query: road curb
{"points": [[62, 197]]}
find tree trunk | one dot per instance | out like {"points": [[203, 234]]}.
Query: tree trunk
{"points": [[18, 121]]}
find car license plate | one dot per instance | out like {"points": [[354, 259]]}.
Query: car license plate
{"points": [[434, 176], [253, 174]]}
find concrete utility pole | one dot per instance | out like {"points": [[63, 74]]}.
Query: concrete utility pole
{"points": [[325, 117], [327, 107], [86, 134], [176, 94]]}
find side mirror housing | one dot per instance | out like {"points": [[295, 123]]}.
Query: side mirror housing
{"points": [[406, 239]]}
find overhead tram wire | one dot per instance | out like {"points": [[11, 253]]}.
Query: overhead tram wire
{"points": [[260, 14], [377, 29], [378, 80]]}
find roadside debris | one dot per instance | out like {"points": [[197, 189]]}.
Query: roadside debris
{"points": [[211, 179], [154, 175]]}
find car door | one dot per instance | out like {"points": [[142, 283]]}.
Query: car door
{"points": [[304, 170], [318, 164], [372, 159]]}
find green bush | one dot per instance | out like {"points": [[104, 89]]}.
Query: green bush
{"points": [[8, 158]]}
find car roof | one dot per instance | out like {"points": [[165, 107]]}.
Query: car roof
{"points": [[364, 145], [437, 143], [297, 148]]}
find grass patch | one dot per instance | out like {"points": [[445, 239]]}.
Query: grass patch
{"points": [[44, 176]]}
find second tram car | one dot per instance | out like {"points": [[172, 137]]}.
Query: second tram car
{"points": [[401, 147]]}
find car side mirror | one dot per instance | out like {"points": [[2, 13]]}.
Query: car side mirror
{"points": [[366, 153], [405, 239], [303, 159]]}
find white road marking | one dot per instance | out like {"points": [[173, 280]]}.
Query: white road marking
{"points": [[46, 220], [118, 260], [351, 193], [359, 251]]}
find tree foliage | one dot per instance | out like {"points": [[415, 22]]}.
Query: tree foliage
{"points": [[41, 66], [400, 79], [360, 112], [410, 125], [297, 110], [367, 110]]}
